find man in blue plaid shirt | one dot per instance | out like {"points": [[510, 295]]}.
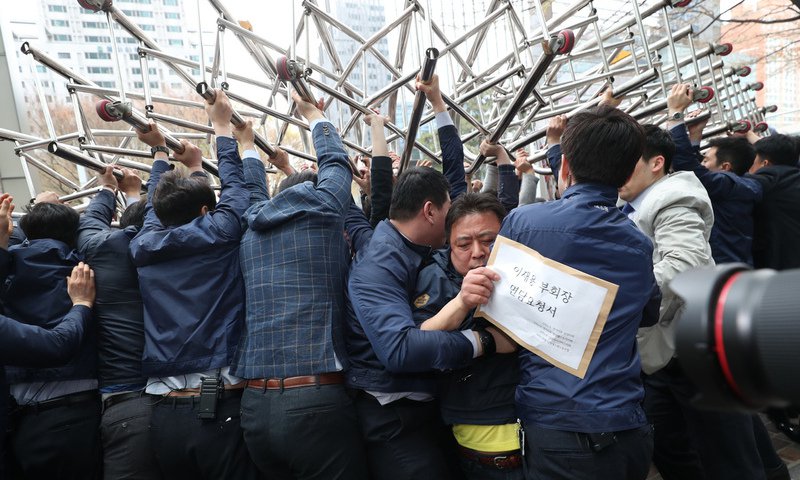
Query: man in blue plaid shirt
{"points": [[298, 419]]}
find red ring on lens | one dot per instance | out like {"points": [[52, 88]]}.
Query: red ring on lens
{"points": [[718, 334]]}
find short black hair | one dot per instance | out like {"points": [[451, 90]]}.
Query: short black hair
{"points": [[178, 198], [778, 149], [469, 203], [414, 187], [134, 215], [658, 142], [735, 150], [297, 178], [51, 220], [602, 145]]}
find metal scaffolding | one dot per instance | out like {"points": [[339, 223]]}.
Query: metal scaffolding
{"points": [[559, 66]]}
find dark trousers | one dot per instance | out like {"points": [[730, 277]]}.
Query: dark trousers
{"points": [[188, 447], [560, 455], [125, 433], [58, 443], [695, 444], [304, 433], [406, 439]]}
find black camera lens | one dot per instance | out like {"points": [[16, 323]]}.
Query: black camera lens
{"points": [[739, 336]]}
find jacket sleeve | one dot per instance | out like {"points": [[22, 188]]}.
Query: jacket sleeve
{"points": [[358, 228], [151, 221], [96, 220], [678, 232], [490, 181], [453, 160], [527, 188], [378, 293], [554, 154], [717, 184], [32, 346], [508, 187], [255, 179], [380, 189], [331, 194], [233, 198]]}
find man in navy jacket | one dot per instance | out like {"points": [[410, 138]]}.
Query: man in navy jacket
{"points": [[22, 344], [187, 256], [594, 427], [120, 328]]}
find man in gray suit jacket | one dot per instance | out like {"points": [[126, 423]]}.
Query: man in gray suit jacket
{"points": [[675, 211]]}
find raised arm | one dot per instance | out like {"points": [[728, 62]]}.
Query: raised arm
{"points": [[452, 147], [153, 138], [96, 220], [255, 176], [507, 182], [717, 185]]}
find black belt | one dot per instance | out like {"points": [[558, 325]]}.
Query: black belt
{"points": [[194, 399], [115, 399], [64, 401]]}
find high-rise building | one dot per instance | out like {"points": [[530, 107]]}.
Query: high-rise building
{"points": [[81, 40], [773, 51], [365, 18]]}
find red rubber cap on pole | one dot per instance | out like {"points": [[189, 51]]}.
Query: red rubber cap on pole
{"points": [[568, 41], [709, 95], [100, 108], [282, 65]]}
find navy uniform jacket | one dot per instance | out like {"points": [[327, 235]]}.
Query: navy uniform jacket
{"points": [[118, 307], [732, 198], [388, 352], [777, 218], [586, 231], [483, 392], [191, 284], [36, 294]]}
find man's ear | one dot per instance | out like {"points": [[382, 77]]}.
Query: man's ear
{"points": [[726, 166], [658, 164], [204, 210], [565, 172], [427, 211]]}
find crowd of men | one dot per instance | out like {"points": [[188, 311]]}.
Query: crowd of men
{"points": [[296, 334]]}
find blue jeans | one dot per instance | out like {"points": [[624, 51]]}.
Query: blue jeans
{"points": [[304, 433]]}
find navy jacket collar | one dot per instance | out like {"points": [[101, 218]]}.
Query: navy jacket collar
{"points": [[595, 189]]}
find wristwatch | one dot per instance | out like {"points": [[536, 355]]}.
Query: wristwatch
{"points": [[487, 342], [158, 148], [677, 116]]}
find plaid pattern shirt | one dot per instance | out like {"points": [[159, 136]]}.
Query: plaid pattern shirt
{"points": [[294, 259]]}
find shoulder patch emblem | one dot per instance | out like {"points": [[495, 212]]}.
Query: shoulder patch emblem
{"points": [[422, 300]]}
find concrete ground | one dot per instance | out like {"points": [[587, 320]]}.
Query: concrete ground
{"points": [[788, 451]]}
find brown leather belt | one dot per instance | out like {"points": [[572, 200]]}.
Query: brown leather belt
{"points": [[296, 382], [508, 461]]}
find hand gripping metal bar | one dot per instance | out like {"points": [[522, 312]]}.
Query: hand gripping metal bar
{"points": [[294, 73], [236, 119], [560, 44], [116, 111], [425, 75]]}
